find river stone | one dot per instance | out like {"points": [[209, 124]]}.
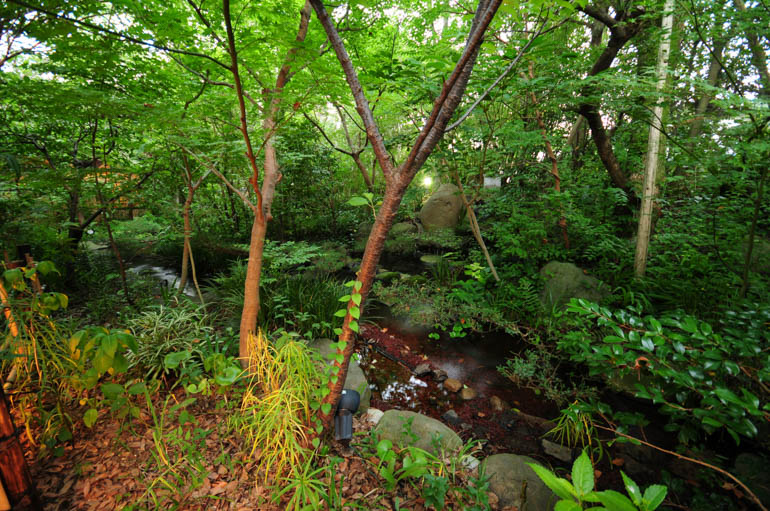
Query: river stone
{"points": [[374, 415], [564, 281], [387, 276], [393, 424], [507, 473], [451, 417], [452, 385], [443, 208], [498, 404], [422, 370], [355, 379], [467, 394]]}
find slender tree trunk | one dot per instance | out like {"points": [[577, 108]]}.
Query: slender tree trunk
{"points": [[551, 156], [186, 239], [653, 146], [753, 232], [475, 229], [712, 79]]}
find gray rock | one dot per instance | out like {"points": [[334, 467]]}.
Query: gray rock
{"points": [[394, 427], [565, 280], [355, 380], [440, 375], [507, 473], [451, 417], [442, 209], [467, 393], [422, 370], [558, 451]]}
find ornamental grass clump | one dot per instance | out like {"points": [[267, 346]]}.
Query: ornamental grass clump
{"points": [[275, 410]]}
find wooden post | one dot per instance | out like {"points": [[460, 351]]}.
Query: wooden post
{"points": [[14, 472]]}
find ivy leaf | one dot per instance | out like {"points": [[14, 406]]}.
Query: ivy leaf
{"points": [[355, 312], [353, 325], [356, 299], [326, 408]]}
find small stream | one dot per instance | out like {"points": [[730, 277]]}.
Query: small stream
{"points": [[167, 277]]}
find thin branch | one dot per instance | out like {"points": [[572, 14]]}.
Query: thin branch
{"points": [[497, 81], [323, 133], [204, 160], [206, 79]]}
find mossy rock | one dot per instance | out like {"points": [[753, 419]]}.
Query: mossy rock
{"points": [[431, 259], [387, 276], [564, 281], [405, 428], [508, 474], [403, 228], [442, 209]]}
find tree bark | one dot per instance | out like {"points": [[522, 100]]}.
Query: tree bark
{"points": [[397, 180], [623, 27], [712, 79], [653, 146], [14, 472]]}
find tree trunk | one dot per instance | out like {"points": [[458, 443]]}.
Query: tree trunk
{"points": [[758, 57], [251, 288], [14, 472], [186, 240], [397, 180], [653, 146], [475, 229], [712, 79]]}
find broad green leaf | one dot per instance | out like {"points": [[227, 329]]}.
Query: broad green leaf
{"points": [[632, 489], [357, 201], [89, 418], [356, 298], [654, 495], [355, 312], [567, 505], [615, 501], [583, 475], [326, 408], [561, 487], [353, 325]]}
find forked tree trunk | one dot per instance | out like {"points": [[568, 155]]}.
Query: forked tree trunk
{"points": [[397, 179]]}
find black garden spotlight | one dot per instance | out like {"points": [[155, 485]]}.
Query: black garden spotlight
{"points": [[343, 419]]}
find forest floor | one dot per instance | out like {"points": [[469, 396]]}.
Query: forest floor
{"points": [[196, 466]]}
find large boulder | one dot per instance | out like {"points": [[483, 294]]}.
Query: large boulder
{"points": [[355, 380], [394, 426], [443, 208], [507, 475], [565, 280]]}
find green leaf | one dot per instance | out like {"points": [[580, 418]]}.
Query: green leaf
{"points": [[341, 313], [583, 475], [89, 418], [357, 285], [567, 505], [654, 495], [316, 442], [112, 390], [615, 501], [345, 298], [353, 325], [561, 487], [326, 408], [357, 201], [46, 267], [632, 489], [137, 388], [355, 312], [356, 298], [13, 276]]}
